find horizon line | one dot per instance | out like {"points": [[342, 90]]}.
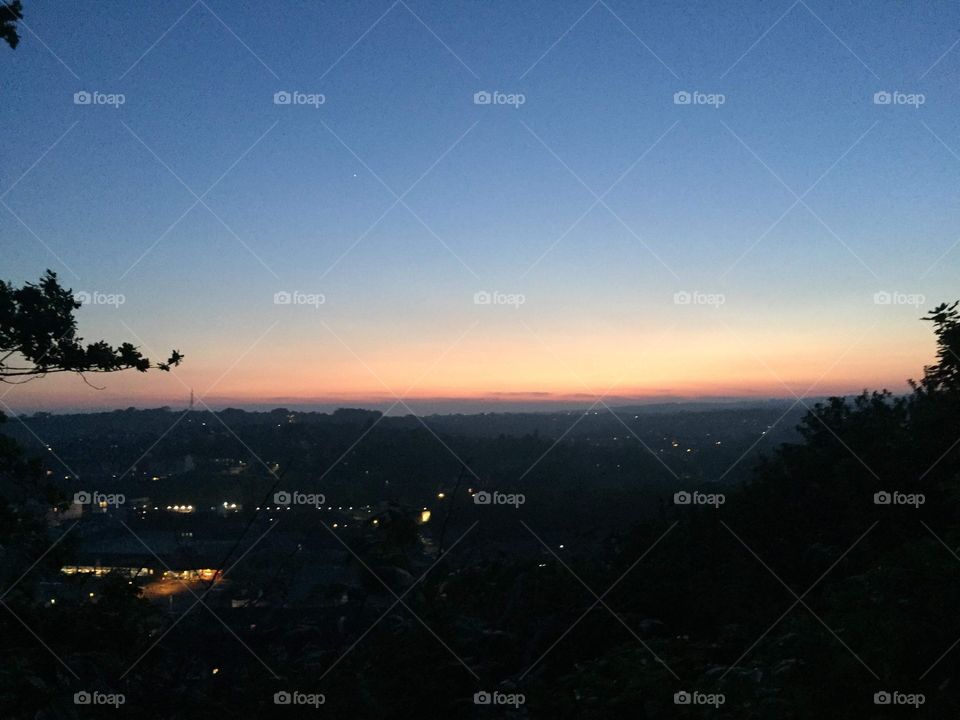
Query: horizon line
{"points": [[508, 403]]}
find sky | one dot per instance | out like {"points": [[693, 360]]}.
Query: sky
{"points": [[753, 199]]}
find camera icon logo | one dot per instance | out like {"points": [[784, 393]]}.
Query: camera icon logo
{"points": [[882, 498], [882, 98], [282, 498], [282, 97], [83, 297], [682, 698], [482, 498], [282, 698], [282, 298], [82, 698], [482, 97], [482, 698], [82, 498], [682, 298], [482, 298], [682, 498], [882, 698], [882, 298], [82, 98], [682, 97]]}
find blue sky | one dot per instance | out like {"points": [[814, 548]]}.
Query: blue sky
{"points": [[493, 197]]}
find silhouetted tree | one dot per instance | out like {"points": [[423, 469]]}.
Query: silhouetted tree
{"points": [[10, 13], [945, 374], [38, 335]]}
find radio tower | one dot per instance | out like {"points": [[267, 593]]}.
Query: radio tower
{"points": [[191, 398]]}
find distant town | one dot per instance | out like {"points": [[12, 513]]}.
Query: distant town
{"points": [[167, 516]]}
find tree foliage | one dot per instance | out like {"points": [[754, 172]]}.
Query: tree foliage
{"points": [[10, 13], [38, 336], [944, 375]]}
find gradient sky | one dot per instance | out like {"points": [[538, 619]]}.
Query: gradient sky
{"points": [[704, 199]]}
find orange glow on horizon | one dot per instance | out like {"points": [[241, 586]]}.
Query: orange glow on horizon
{"points": [[710, 363]]}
